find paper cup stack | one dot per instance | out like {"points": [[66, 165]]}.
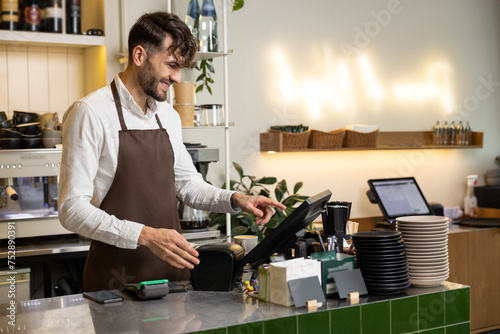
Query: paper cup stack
{"points": [[426, 240], [185, 100]]}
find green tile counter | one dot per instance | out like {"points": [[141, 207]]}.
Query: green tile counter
{"points": [[438, 310]]}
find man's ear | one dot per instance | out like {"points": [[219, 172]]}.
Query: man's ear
{"points": [[139, 55]]}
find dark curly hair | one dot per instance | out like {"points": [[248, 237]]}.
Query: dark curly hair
{"points": [[150, 31]]}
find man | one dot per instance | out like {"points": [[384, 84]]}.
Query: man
{"points": [[124, 162]]}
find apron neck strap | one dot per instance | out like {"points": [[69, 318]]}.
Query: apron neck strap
{"points": [[119, 110], [158, 121], [118, 105]]}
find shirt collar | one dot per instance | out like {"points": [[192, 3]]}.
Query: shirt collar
{"points": [[129, 103]]}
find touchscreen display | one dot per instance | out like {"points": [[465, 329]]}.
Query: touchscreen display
{"points": [[400, 197]]}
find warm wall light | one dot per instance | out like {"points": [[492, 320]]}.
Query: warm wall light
{"points": [[373, 88], [340, 84], [437, 85]]}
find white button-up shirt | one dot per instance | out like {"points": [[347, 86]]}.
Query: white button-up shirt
{"points": [[90, 158]]}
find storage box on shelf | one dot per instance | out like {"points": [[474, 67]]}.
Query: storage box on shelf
{"points": [[331, 139], [293, 140], [361, 139]]}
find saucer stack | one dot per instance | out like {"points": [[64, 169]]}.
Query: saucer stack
{"points": [[381, 256], [426, 240]]}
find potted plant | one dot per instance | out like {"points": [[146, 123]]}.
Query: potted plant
{"points": [[244, 222]]}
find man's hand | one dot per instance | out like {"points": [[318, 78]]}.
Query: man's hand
{"points": [[170, 246], [259, 206]]}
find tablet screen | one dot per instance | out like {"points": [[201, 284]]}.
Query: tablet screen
{"points": [[399, 197]]}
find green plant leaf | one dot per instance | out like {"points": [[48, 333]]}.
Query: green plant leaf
{"points": [[199, 88], [233, 183], [210, 80], [297, 187], [209, 66], [289, 210], [254, 227], [265, 192], [239, 230], [201, 77], [293, 199], [289, 201], [247, 220], [239, 169], [280, 190], [217, 219], [272, 223], [267, 180], [238, 4], [209, 89]]}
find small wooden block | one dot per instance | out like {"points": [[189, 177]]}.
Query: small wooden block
{"points": [[353, 295], [312, 303]]}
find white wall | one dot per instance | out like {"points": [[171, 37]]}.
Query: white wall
{"points": [[319, 81]]}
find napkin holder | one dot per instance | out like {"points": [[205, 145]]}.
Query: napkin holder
{"points": [[219, 267]]}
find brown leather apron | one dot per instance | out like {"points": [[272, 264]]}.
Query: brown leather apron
{"points": [[143, 191]]}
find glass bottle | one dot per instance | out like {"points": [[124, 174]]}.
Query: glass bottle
{"points": [[32, 15], [193, 18], [470, 200], [459, 134], [208, 40], [73, 17], [446, 134], [53, 16], [436, 134], [10, 14], [467, 134], [452, 133]]}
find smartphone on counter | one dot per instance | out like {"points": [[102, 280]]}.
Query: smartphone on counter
{"points": [[103, 297]]}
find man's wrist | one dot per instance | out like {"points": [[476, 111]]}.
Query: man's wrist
{"points": [[234, 206]]}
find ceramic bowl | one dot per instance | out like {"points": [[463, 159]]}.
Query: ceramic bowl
{"points": [[9, 133], [8, 124], [51, 142], [23, 117], [29, 128], [10, 143], [51, 133], [3, 116], [31, 142]]}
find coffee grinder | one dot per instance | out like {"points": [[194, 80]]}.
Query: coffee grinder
{"points": [[194, 220]]}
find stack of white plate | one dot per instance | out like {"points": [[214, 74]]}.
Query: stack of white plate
{"points": [[426, 240]]}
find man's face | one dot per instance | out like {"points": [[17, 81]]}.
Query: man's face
{"points": [[158, 73]]}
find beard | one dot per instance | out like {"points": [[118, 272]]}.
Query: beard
{"points": [[150, 83]]}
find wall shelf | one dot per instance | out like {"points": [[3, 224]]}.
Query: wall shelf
{"points": [[409, 140], [27, 38], [204, 127]]}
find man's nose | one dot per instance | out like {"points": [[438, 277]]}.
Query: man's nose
{"points": [[176, 76]]}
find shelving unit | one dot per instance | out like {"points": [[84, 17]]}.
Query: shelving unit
{"points": [[273, 142], [45, 72], [224, 53]]}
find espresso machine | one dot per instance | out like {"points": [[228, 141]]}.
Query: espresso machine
{"points": [[28, 192], [194, 223]]}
